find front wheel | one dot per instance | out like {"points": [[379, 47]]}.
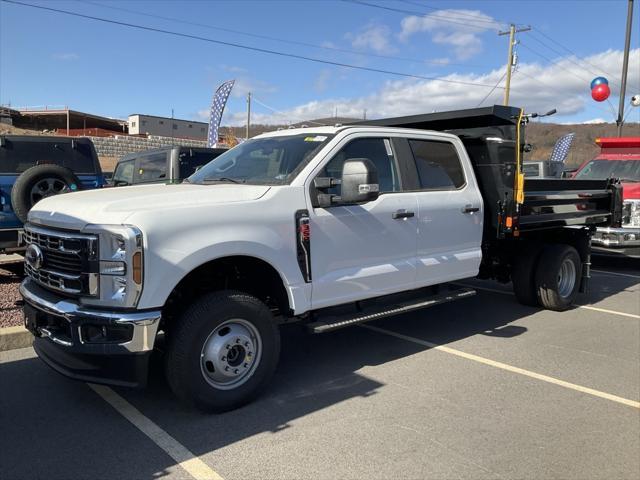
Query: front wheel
{"points": [[223, 351], [558, 276]]}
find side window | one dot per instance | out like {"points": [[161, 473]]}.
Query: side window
{"points": [[438, 165], [378, 150], [152, 168], [124, 173]]}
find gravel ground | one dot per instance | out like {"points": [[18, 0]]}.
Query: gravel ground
{"points": [[10, 278]]}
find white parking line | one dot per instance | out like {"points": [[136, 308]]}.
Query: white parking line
{"points": [[604, 272], [509, 368], [586, 307], [612, 312], [185, 459]]}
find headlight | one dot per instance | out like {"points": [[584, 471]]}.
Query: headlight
{"points": [[120, 265], [631, 213]]}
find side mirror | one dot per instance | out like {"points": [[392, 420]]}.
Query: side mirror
{"points": [[359, 181]]}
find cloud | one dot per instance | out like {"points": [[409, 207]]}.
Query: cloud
{"points": [[461, 34], [233, 69], [65, 57], [594, 121], [537, 88], [372, 37]]}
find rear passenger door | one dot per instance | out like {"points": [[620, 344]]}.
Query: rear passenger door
{"points": [[450, 210]]}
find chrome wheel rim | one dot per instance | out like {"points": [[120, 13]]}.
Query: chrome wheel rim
{"points": [[231, 354], [47, 187], [566, 278]]}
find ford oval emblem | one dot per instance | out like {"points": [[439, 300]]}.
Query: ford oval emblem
{"points": [[33, 256]]}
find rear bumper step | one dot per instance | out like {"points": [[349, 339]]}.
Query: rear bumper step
{"points": [[375, 312]]}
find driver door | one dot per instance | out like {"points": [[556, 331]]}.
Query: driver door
{"points": [[367, 250]]}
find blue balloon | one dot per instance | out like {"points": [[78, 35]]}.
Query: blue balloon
{"points": [[599, 81]]}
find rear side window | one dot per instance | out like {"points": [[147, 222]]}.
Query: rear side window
{"points": [[190, 162], [152, 168], [438, 165], [18, 155], [124, 173]]}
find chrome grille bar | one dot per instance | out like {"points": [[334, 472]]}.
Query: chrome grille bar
{"points": [[65, 260]]}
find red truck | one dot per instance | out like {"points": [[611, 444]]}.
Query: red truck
{"points": [[619, 158]]}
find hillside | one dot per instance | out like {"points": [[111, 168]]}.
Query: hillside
{"points": [[543, 137]]}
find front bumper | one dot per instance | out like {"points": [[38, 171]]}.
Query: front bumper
{"points": [[617, 241], [58, 325]]}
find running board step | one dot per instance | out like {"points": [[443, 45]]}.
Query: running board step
{"points": [[334, 322]]}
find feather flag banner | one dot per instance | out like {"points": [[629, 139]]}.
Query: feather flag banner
{"points": [[217, 108], [561, 149]]}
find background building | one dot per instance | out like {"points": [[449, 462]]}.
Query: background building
{"points": [[167, 127]]}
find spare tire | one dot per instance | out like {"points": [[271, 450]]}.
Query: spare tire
{"points": [[40, 182]]}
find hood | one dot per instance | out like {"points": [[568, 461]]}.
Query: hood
{"points": [[114, 205], [631, 190]]}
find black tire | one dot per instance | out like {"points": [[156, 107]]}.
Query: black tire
{"points": [[550, 291], [184, 365], [523, 276], [22, 199]]}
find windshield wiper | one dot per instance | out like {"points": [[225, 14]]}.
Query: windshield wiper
{"points": [[630, 180], [221, 179]]}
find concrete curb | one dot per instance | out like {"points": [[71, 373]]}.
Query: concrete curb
{"points": [[14, 337], [12, 258]]}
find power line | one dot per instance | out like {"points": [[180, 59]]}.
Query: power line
{"points": [[572, 52], [554, 62], [493, 89], [246, 47], [551, 87], [569, 59], [276, 39], [286, 115], [442, 18], [480, 19], [477, 18]]}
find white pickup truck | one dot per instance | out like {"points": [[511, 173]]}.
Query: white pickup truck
{"points": [[288, 226]]}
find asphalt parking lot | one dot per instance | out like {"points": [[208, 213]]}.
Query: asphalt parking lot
{"points": [[481, 388]]}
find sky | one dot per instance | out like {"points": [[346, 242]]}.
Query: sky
{"points": [[448, 52]]}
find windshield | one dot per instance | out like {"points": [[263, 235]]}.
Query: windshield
{"points": [[265, 161], [625, 170]]}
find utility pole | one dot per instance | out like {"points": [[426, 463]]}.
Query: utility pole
{"points": [[248, 113], [625, 66], [512, 41]]}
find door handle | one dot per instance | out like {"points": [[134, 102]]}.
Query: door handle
{"points": [[400, 214], [470, 209]]}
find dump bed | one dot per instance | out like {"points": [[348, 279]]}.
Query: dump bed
{"points": [[514, 206]]}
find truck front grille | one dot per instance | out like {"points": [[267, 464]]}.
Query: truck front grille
{"points": [[62, 261]]}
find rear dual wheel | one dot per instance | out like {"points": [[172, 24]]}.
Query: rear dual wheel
{"points": [[548, 277], [558, 277]]}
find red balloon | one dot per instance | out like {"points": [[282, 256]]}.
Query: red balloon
{"points": [[600, 92]]}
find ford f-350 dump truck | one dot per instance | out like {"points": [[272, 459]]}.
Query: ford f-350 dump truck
{"points": [[327, 226]]}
